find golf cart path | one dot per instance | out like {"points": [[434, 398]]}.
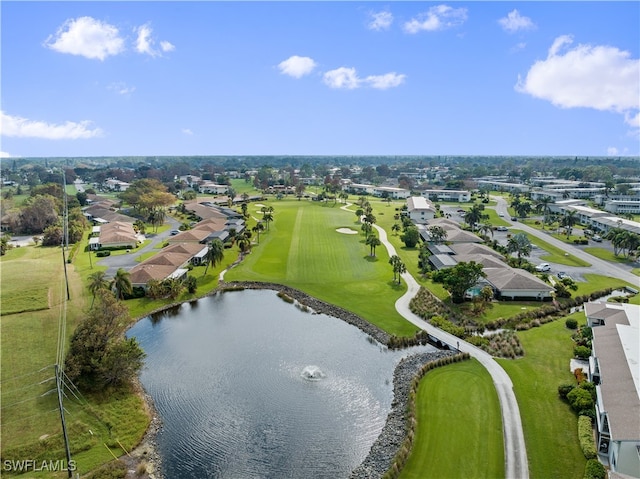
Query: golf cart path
{"points": [[516, 463]]}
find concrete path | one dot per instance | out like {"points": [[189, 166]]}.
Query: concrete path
{"points": [[515, 452], [600, 266]]}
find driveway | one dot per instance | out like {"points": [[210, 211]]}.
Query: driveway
{"points": [[598, 266], [128, 261], [515, 452]]}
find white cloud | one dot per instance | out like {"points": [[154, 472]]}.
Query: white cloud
{"points": [[4, 154], [517, 47], [342, 77], [599, 77], [296, 66], [121, 88], [436, 18], [15, 126], [514, 22], [612, 151], [187, 131], [347, 78], [380, 20], [87, 37], [166, 46], [388, 80], [145, 42]]}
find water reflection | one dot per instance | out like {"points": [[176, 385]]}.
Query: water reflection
{"points": [[249, 386]]}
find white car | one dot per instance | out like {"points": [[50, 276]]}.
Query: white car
{"points": [[542, 267], [501, 215]]}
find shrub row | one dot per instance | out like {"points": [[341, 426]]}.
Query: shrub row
{"points": [[400, 459], [585, 435], [504, 344], [594, 470]]}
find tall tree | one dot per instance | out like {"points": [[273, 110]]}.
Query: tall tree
{"points": [[373, 241], [215, 254], [519, 244], [121, 282], [437, 234], [99, 356], [97, 282], [458, 279], [543, 205], [569, 220]]}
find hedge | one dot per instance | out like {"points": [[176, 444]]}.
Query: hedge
{"points": [[585, 434], [594, 470]]}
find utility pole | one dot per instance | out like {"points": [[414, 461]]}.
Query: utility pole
{"points": [[64, 424]]}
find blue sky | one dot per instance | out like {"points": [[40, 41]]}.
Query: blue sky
{"points": [[320, 78]]}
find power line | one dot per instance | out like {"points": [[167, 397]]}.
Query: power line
{"points": [[11, 391], [29, 399], [28, 374]]}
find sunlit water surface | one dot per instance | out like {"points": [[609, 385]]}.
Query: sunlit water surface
{"points": [[248, 386]]}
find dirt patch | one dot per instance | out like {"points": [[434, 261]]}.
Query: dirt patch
{"points": [[347, 231]]}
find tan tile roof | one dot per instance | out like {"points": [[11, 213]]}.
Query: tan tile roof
{"points": [[143, 273], [515, 279]]}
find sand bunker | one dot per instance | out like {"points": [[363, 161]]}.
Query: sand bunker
{"points": [[347, 231]]}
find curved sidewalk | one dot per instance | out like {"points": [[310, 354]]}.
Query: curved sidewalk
{"points": [[516, 463]]}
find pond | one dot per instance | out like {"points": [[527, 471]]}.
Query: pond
{"points": [[249, 386]]}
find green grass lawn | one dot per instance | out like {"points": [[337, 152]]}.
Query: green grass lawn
{"points": [[606, 255], [459, 431], [550, 427], [555, 254], [302, 249], [30, 421]]}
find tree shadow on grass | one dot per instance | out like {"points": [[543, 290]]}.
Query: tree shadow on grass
{"points": [[395, 286], [371, 259]]}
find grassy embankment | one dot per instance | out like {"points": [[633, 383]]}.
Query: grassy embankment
{"points": [[30, 421], [459, 432]]}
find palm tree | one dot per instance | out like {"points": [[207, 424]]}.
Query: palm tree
{"points": [[359, 213], [485, 228], [543, 205], [395, 228], [373, 241], [519, 244], [267, 218], [244, 208], [473, 216], [438, 234], [121, 282], [215, 254], [97, 282], [258, 228], [569, 219], [523, 209], [398, 267]]}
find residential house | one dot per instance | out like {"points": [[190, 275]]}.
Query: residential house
{"points": [[461, 196], [614, 369], [170, 263], [117, 234], [420, 209]]}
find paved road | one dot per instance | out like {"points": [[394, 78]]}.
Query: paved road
{"points": [[600, 266], [128, 261], [516, 462]]}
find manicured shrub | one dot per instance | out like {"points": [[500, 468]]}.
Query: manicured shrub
{"points": [[594, 470], [102, 254], [565, 389], [582, 352], [571, 323], [585, 435], [580, 400]]}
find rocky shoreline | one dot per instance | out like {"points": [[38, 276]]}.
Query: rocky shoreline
{"points": [[384, 449]]}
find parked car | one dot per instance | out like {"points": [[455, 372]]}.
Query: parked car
{"points": [[514, 219], [562, 275], [501, 215], [502, 228], [174, 232], [542, 267], [597, 238]]}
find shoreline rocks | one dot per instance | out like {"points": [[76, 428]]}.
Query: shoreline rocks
{"points": [[384, 449]]}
